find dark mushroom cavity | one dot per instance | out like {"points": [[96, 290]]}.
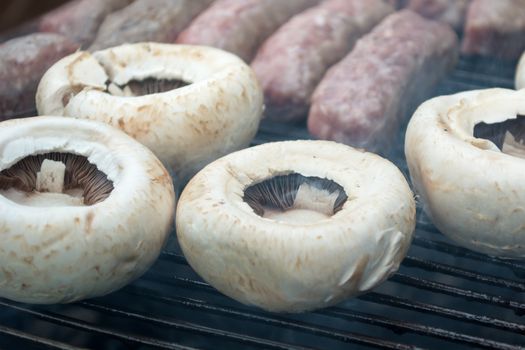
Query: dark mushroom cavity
{"points": [[55, 179], [508, 136], [153, 86], [295, 198], [144, 87]]}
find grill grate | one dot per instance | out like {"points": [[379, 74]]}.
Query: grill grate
{"points": [[443, 295]]}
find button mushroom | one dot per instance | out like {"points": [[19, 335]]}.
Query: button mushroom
{"points": [[298, 225], [465, 154], [188, 104], [84, 209]]}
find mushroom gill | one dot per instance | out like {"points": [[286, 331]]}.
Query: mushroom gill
{"points": [[35, 174], [144, 87], [295, 198], [153, 86], [508, 136]]}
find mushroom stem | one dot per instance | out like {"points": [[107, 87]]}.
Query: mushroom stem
{"points": [[316, 199], [50, 178], [311, 204]]}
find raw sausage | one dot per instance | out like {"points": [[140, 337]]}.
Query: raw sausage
{"points": [[495, 28], [294, 59], [23, 61], [449, 11], [363, 98], [240, 26], [79, 20], [147, 20]]}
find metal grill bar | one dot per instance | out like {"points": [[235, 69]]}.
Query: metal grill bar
{"points": [[478, 79], [487, 66], [432, 286], [84, 326], [390, 300], [174, 257], [347, 337], [400, 325], [411, 261], [517, 268], [245, 339], [422, 284], [36, 340], [444, 312]]}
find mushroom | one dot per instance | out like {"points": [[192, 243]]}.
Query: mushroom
{"points": [[188, 104], [465, 153], [84, 209], [297, 225]]}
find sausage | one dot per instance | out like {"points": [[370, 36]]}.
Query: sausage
{"points": [[24, 28], [79, 20], [290, 64], [240, 26], [23, 61], [449, 11], [362, 100], [147, 20], [495, 28]]}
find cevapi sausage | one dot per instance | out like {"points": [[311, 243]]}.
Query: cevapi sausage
{"points": [[362, 100], [449, 11], [23, 61], [240, 26], [79, 20], [291, 62], [147, 20], [495, 28]]}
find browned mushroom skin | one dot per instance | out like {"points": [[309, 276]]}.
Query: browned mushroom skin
{"points": [[280, 192], [91, 239], [263, 225], [79, 174], [186, 127], [465, 156]]}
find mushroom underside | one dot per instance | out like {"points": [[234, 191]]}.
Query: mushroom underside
{"points": [[295, 198], [132, 88], [508, 136], [55, 179], [147, 86]]}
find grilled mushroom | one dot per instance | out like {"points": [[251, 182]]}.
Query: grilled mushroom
{"points": [[465, 154], [298, 225], [84, 209], [188, 104]]}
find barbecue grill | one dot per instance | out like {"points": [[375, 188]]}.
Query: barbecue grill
{"points": [[442, 296]]}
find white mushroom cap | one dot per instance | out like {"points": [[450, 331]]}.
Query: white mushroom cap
{"points": [[54, 250], [474, 193], [286, 265], [520, 73], [187, 127]]}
